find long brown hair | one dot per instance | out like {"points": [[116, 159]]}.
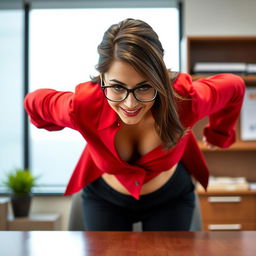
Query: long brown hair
{"points": [[136, 43]]}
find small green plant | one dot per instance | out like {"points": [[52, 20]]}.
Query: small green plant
{"points": [[20, 181]]}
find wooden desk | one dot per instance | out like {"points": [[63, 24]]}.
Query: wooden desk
{"points": [[78, 243]]}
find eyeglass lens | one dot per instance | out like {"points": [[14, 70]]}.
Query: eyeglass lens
{"points": [[142, 93]]}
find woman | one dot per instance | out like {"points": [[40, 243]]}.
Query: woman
{"points": [[136, 117]]}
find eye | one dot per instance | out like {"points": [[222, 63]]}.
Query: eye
{"points": [[118, 88], [144, 87]]}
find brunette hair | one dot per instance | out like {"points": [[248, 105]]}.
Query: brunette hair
{"points": [[136, 43]]}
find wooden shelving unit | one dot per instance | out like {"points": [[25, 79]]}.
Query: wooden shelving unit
{"points": [[238, 160], [250, 80], [238, 146]]}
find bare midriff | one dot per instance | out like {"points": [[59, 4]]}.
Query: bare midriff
{"points": [[149, 187]]}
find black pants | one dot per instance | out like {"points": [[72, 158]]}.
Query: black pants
{"points": [[169, 208]]}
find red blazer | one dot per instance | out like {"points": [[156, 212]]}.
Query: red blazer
{"points": [[87, 111]]}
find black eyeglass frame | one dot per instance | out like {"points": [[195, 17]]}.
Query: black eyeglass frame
{"points": [[103, 87]]}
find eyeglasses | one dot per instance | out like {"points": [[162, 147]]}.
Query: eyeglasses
{"points": [[118, 93]]}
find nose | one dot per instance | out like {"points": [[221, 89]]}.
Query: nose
{"points": [[130, 101]]}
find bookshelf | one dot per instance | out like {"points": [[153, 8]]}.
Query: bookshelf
{"points": [[240, 159]]}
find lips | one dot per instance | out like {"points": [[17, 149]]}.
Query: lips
{"points": [[131, 112]]}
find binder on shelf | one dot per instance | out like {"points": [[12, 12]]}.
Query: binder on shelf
{"points": [[248, 115], [253, 186], [251, 69], [220, 67]]}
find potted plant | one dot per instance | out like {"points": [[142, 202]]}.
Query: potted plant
{"points": [[20, 183]]}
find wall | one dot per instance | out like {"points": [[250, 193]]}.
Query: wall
{"points": [[219, 17]]}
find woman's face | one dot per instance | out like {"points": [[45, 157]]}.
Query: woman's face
{"points": [[130, 110]]}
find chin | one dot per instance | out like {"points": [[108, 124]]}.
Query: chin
{"points": [[130, 121]]}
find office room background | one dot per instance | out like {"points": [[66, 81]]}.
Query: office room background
{"points": [[198, 18]]}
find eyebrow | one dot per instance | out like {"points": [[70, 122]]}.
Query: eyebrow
{"points": [[114, 80]]}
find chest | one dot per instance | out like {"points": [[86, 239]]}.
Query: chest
{"points": [[133, 142]]}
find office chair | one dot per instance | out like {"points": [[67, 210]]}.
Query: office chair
{"points": [[75, 222]]}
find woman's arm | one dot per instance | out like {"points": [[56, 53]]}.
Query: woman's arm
{"points": [[226, 93], [220, 98], [50, 109]]}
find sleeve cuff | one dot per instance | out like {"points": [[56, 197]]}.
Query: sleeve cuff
{"points": [[218, 138], [47, 126]]}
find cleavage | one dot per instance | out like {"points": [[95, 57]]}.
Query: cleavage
{"points": [[126, 146]]}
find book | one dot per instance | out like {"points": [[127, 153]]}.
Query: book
{"points": [[226, 184], [248, 116], [251, 69], [252, 186], [220, 67]]}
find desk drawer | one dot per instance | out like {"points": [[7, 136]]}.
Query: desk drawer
{"points": [[228, 208]]}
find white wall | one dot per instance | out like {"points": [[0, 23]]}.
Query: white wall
{"points": [[219, 17]]}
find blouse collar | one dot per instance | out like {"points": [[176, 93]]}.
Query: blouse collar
{"points": [[107, 117]]}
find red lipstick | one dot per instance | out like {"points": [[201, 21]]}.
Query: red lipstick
{"points": [[131, 112]]}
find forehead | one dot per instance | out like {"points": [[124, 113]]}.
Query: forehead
{"points": [[123, 72]]}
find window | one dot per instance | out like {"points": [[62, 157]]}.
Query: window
{"points": [[11, 81]]}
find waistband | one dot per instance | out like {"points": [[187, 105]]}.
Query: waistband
{"points": [[180, 183]]}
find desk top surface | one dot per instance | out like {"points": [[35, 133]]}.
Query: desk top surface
{"points": [[36, 243]]}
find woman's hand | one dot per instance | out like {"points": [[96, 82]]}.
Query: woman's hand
{"points": [[208, 145]]}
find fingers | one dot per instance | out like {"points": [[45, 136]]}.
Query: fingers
{"points": [[208, 145]]}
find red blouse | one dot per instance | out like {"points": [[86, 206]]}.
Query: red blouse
{"points": [[87, 111]]}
